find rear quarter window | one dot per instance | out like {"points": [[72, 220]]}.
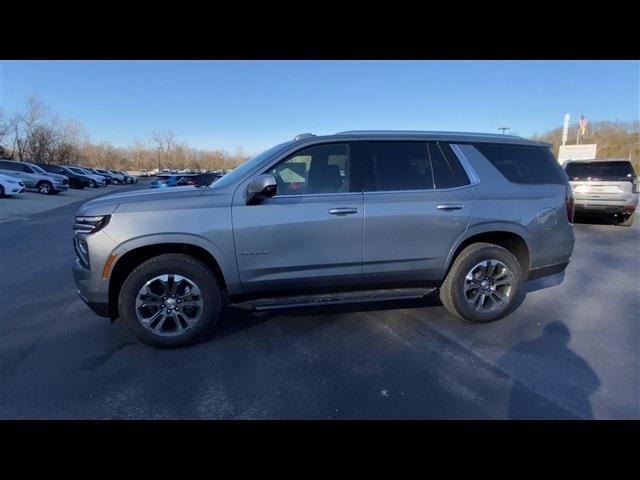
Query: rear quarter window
{"points": [[524, 164]]}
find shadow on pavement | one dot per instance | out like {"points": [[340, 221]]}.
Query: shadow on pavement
{"points": [[558, 371]]}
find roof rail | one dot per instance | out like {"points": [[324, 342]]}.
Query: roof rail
{"points": [[303, 135], [423, 132]]}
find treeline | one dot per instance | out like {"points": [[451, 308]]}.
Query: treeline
{"points": [[614, 139], [36, 134]]}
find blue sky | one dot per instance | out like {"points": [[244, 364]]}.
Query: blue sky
{"points": [[255, 104]]}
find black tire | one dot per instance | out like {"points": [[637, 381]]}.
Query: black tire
{"points": [[180, 264], [93, 184], [627, 220], [1, 191], [45, 188], [452, 293]]}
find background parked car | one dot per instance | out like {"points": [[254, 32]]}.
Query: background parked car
{"points": [[127, 178], [115, 179], [75, 181], [10, 185], [94, 180], [163, 181], [200, 180], [604, 186], [34, 177], [106, 178], [144, 173]]}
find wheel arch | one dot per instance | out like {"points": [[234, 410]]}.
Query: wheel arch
{"points": [[133, 257], [507, 236]]}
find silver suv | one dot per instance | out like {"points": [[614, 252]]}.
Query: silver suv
{"points": [[359, 215], [604, 186], [35, 177]]}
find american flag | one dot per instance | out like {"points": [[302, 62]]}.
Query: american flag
{"points": [[582, 122]]}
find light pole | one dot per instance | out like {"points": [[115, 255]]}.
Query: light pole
{"points": [[158, 156], [504, 128]]}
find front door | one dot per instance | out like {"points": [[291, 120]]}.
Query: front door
{"points": [[309, 235]]}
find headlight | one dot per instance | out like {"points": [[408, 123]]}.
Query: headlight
{"points": [[90, 224]]}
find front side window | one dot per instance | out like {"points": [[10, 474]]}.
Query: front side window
{"points": [[401, 166], [314, 170]]}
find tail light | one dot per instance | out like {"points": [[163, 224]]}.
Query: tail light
{"points": [[570, 203]]}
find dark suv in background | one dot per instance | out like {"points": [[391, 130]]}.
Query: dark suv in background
{"points": [[75, 181], [359, 215]]}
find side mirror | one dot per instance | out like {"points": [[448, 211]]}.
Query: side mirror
{"points": [[261, 187]]}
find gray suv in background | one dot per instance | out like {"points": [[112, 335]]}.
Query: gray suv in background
{"points": [[604, 186], [359, 215], [35, 177]]}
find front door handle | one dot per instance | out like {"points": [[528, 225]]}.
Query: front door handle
{"points": [[448, 206], [343, 211]]}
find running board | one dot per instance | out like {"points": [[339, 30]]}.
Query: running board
{"points": [[299, 301]]}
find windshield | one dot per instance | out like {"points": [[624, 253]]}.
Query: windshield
{"points": [[77, 170], [37, 169], [249, 165], [600, 171]]}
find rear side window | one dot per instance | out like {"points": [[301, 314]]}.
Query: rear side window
{"points": [[618, 170], [447, 171], [401, 166], [524, 164]]}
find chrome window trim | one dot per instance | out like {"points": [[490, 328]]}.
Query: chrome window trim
{"points": [[471, 173], [424, 190], [301, 195]]}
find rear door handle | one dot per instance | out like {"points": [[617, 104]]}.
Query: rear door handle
{"points": [[448, 206], [343, 211]]}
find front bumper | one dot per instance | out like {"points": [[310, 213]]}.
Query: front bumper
{"points": [[94, 293]]}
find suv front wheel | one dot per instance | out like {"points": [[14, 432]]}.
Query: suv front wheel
{"points": [[171, 300], [482, 284]]}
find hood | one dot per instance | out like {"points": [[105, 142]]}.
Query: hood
{"points": [[7, 178], [109, 203]]}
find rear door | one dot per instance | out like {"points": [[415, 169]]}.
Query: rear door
{"points": [[418, 200]]}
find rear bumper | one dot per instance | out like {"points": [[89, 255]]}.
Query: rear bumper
{"points": [[604, 204], [604, 208]]}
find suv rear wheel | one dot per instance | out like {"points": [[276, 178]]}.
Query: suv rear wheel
{"points": [[482, 284], [171, 300]]}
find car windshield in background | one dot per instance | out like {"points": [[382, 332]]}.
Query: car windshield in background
{"points": [[38, 169], [600, 171]]}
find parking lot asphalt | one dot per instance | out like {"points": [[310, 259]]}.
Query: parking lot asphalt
{"points": [[570, 351]]}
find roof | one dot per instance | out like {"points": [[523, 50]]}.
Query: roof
{"points": [[430, 135]]}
